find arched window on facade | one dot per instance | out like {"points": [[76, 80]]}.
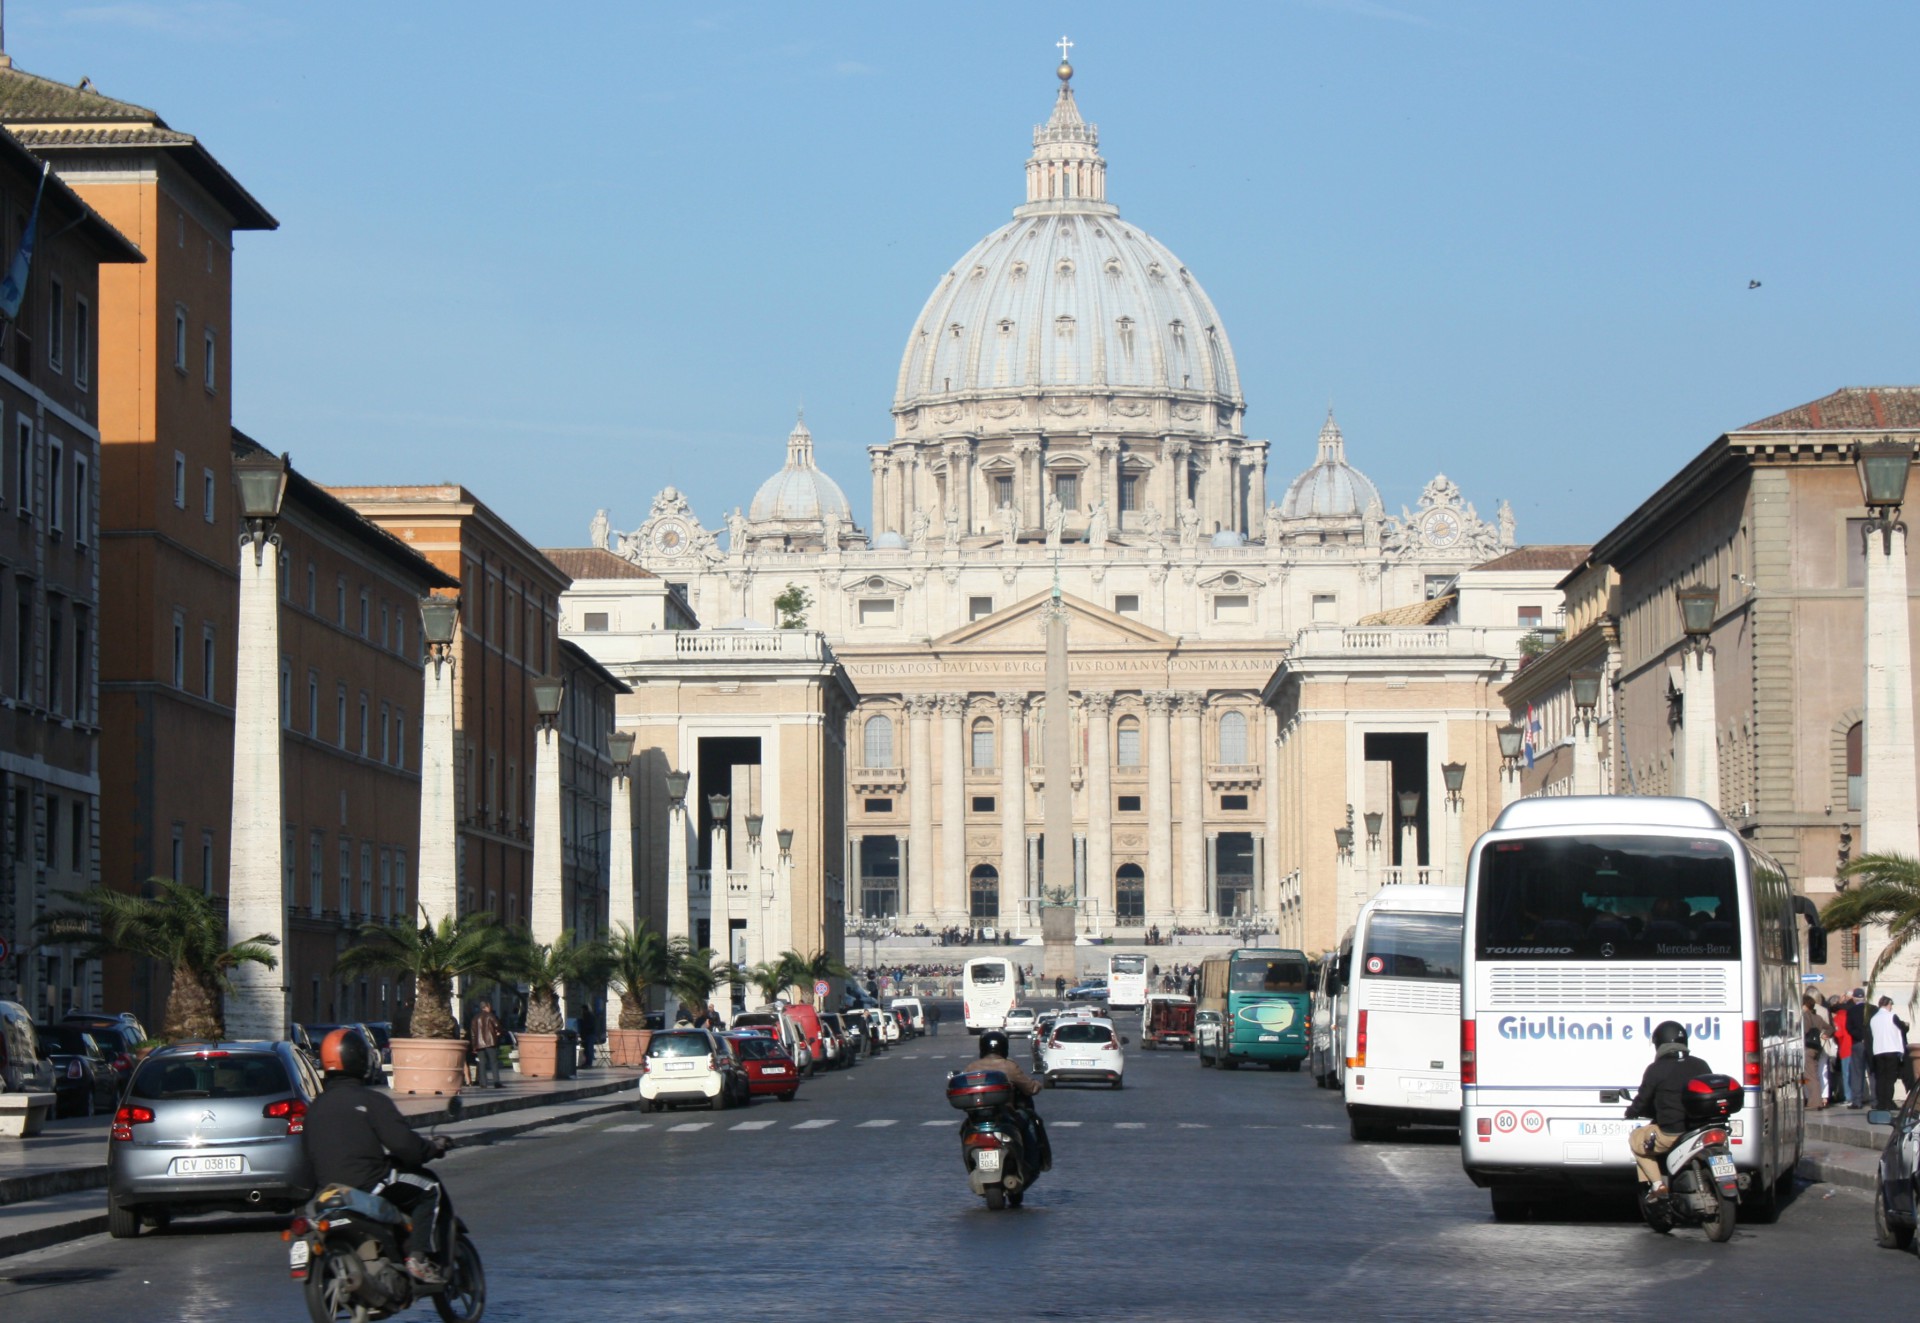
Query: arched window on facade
{"points": [[1856, 767], [1129, 894], [982, 744], [1233, 737], [983, 892], [877, 744], [1127, 743]]}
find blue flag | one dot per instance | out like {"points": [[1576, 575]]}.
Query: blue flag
{"points": [[13, 290]]}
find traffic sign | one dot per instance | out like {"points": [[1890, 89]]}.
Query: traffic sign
{"points": [[1813, 978], [820, 987], [5, 950]]}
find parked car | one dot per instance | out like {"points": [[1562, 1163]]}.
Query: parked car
{"points": [[1896, 1200], [382, 1032], [315, 1034], [851, 1031], [22, 1068], [1042, 1026], [808, 1020], [1020, 1022], [792, 1037], [915, 1012], [769, 1069], [1207, 1028], [210, 1127], [1084, 1050], [687, 1066], [83, 1080], [119, 1036], [1094, 989]]}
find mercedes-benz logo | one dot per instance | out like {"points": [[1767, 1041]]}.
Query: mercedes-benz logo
{"points": [[1606, 950]]}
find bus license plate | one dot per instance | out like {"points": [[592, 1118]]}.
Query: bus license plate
{"points": [[1722, 1167], [298, 1253], [209, 1166], [988, 1160], [1269, 1038]]}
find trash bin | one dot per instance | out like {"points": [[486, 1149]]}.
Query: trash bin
{"points": [[567, 1060]]}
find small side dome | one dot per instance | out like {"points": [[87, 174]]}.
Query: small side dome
{"points": [[799, 493], [888, 542], [1332, 488]]}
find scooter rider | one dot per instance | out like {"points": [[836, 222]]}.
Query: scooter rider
{"points": [[993, 1056], [355, 1136], [1662, 1100]]}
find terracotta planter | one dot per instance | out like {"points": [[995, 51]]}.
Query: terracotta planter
{"points": [[628, 1047], [429, 1065], [539, 1055]]}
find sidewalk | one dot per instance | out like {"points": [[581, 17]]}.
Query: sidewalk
{"points": [[1842, 1149], [50, 1184]]}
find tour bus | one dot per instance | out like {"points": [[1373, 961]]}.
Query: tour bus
{"points": [[1260, 995], [1588, 922], [1126, 982], [1324, 1061], [1400, 1041], [988, 990]]}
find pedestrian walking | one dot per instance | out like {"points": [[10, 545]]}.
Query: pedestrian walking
{"points": [[1819, 1031], [1889, 1045], [933, 1018], [483, 1037], [1059, 986], [1862, 1054]]}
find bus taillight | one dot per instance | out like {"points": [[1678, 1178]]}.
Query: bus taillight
{"points": [[1467, 1070], [1359, 1057], [1750, 1045]]}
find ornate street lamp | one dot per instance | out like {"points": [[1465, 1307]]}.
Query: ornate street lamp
{"points": [[718, 805], [261, 477], [1511, 738], [620, 750], [1455, 776], [1374, 821], [1883, 467], [785, 837], [1698, 606], [439, 622], [1343, 841], [547, 693], [1586, 693], [1409, 801], [754, 822], [677, 786]]}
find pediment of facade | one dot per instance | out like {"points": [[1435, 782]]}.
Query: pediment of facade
{"points": [[1022, 627]]}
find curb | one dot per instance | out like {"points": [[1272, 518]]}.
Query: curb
{"points": [[1840, 1164]]}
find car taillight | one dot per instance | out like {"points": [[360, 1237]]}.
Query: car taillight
{"points": [[121, 1061], [1469, 1070], [1750, 1044], [73, 1070], [290, 1110], [1359, 1057], [127, 1118]]}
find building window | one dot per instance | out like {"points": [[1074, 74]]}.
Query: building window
{"points": [[386, 627], [313, 705], [23, 467], [1127, 743], [206, 662], [1529, 617], [366, 878], [979, 608], [1129, 493], [206, 495], [1233, 737], [366, 617], [1233, 803], [386, 746], [983, 895], [316, 873], [1066, 490], [177, 860], [596, 622], [24, 622], [56, 664], [1232, 607], [982, 752], [1127, 604], [1856, 767], [77, 853], [983, 803], [877, 742], [1326, 608], [313, 589], [364, 733], [286, 693], [56, 487], [876, 611], [82, 343], [1002, 490], [82, 501], [1437, 585], [400, 739], [345, 878], [879, 806], [386, 884], [206, 862], [82, 665], [179, 338], [1128, 804], [210, 370], [179, 650], [400, 905], [399, 633], [56, 324], [340, 601], [340, 715], [179, 481], [1129, 894]]}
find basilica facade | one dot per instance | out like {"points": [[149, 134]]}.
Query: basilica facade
{"points": [[1068, 411]]}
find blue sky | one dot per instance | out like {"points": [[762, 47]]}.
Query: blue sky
{"points": [[567, 255]]}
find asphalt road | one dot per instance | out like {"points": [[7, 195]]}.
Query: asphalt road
{"points": [[1187, 1194]]}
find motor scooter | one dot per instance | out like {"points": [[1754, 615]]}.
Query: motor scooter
{"points": [[992, 1141], [1703, 1189]]}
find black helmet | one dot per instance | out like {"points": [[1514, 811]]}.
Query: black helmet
{"points": [[344, 1052], [993, 1043], [1670, 1031]]}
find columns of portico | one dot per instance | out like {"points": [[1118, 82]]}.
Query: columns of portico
{"points": [[876, 457], [1013, 807], [1106, 461], [1257, 487], [1270, 796], [919, 906], [960, 482], [1026, 452], [1173, 487], [1159, 808], [1192, 900], [1222, 474], [950, 900], [1099, 885]]}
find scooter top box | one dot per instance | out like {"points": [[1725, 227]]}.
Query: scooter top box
{"points": [[1713, 1097], [978, 1090]]}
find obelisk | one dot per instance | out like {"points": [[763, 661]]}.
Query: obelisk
{"points": [[1056, 803]]}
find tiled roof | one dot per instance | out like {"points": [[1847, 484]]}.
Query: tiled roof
{"points": [[131, 135], [1543, 556], [592, 563], [25, 98], [1849, 409], [1414, 613]]}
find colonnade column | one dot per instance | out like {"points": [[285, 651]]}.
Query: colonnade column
{"points": [[1191, 871], [950, 901], [1257, 489], [1013, 806], [919, 906], [1270, 795], [1026, 481], [960, 483], [1159, 808], [876, 457], [1099, 710]]}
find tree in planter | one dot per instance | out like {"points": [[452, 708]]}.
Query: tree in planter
{"points": [[1886, 890], [769, 979], [639, 960], [473, 947], [697, 972], [178, 926], [548, 968], [792, 606]]}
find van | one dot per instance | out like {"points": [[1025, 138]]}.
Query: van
{"points": [[22, 1068], [916, 1013], [808, 1022]]}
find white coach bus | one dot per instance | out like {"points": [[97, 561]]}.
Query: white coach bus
{"points": [[1400, 1023], [1589, 921], [989, 988]]}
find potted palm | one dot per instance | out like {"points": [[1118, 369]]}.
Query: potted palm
{"points": [[696, 972], [639, 962], [433, 1058], [177, 926], [548, 968]]}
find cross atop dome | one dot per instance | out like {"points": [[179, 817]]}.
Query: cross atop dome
{"points": [[1066, 69]]}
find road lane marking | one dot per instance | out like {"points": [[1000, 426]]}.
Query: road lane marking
{"points": [[1129, 1125], [751, 1125], [928, 1123], [874, 1125], [688, 1127], [1192, 1125], [629, 1129], [1066, 1125], [814, 1125]]}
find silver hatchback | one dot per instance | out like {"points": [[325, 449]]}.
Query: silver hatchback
{"points": [[210, 1127]]}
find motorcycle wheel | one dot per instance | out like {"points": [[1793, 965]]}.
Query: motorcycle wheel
{"points": [[996, 1198], [1720, 1225], [465, 1298], [1654, 1213], [329, 1293]]}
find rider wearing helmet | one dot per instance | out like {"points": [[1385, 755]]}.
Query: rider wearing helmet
{"points": [[355, 1136], [1662, 1100], [994, 1056]]}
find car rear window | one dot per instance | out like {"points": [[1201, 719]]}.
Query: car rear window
{"points": [[1082, 1033], [61, 1038], [225, 1075], [679, 1045], [755, 1049]]}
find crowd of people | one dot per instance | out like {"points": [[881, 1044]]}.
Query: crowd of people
{"points": [[1856, 1053]]}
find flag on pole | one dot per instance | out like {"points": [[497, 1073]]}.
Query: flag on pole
{"points": [[1532, 736], [13, 290]]}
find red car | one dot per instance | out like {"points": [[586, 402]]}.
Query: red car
{"points": [[769, 1069]]}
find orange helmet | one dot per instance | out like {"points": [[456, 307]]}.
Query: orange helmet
{"points": [[344, 1052]]}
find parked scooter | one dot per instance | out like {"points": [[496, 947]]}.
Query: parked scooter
{"points": [[992, 1140], [1703, 1187]]}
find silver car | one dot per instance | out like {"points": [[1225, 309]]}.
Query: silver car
{"points": [[210, 1127]]}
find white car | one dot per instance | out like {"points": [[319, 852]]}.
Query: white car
{"points": [[1083, 1050], [916, 1013], [686, 1066], [1020, 1021]]}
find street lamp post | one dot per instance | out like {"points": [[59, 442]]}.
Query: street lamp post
{"points": [[1586, 756], [620, 897], [718, 806], [547, 910], [1454, 775], [781, 931], [756, 936], [1408, 802], [1511, 737], [439, 805], [256, 900], [1887, 818], [1700, 758], [679, 918]]}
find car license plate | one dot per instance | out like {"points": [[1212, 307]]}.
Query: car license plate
{"points": [[989, 1160], [1083, 1061], [298, 1253], [774, 1070], [1722, 1167], [207, 1166], [681, 1065]]}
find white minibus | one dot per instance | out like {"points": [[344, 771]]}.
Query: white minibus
{"points": [[1126, 981], [988, 990], [1588, 922], [1400, 1031]]}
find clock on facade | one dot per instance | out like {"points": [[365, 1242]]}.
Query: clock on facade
{"points": [[669, 537], [1441, 528]]}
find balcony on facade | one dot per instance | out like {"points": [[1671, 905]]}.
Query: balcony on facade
{"points": [[1395, 641]]}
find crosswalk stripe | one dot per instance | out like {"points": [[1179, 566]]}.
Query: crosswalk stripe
{"points": [[688, 1127], [813, 1125], [629, 1129], [874, 1125], [751, 1125]]}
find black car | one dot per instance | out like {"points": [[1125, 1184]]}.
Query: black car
{"points": [[83, 1079], [119, 1038], [1896, 1210]]}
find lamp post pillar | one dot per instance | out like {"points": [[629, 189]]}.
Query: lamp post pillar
{"points": [[1194, 902], [950, 877], [546, 910], [922, 865], [679, 920], [1697, 708], [439, 806], [1888, 824], [1013, 810], [621, 907], [1159, 881]]}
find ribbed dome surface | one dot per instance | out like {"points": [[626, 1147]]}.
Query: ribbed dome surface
{"points": [[799, 492], [1332, 488]]}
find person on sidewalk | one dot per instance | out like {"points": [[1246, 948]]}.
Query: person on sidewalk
{"points": [[1819, 1047], [1839, 1091], [483, 1036], [933, 1018], [1889, 1042], [1857, 1063]]}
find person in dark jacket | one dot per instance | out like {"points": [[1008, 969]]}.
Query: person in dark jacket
{"points": [[355, 1136], [994, 1048], [1662, 1100], [484, 1038]]}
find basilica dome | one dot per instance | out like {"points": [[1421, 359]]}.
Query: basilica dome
{"points": [[800, 493], [1332, 488]]}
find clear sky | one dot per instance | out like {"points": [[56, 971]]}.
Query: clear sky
{"points": [[569, 254]]}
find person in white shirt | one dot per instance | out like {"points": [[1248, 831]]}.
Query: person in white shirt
{"points": [[1889, 1035]]}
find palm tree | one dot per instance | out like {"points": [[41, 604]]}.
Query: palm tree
{"points": [[178, 926], [1887, 891], [769, 979], [547, 968], [696, 972], [471, 946], [639, 961]]}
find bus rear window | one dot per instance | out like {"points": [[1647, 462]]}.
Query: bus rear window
{"points": [[1268, 976], [1412, 946], [987, 974], [1127, 964], [1607, 898]]}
